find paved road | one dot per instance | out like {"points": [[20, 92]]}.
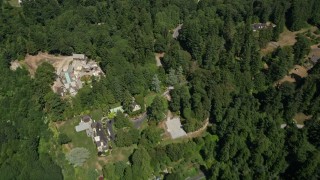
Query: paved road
{"points": [[138, 121]]}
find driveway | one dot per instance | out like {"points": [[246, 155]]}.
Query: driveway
{"points": [[139, 120]]}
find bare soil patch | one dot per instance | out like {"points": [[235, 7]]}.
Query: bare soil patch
{"points": [[98, 166], [59, 62], [287, 79], [297, 70], [315, 51], [286, 38], [300, 71], [158, 56], [15, 65], [300, 118]]}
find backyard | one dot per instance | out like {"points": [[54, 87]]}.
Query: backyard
{"points": [[92, 168]]}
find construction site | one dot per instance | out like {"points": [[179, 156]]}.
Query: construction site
{"points": [[72, 76], [72, 71]]}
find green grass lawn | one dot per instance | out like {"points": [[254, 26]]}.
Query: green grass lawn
{"points": [[91, 169], [121, 154]]}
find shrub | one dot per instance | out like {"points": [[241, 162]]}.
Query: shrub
{"points": [[127, 137], [63, 139], [317, 32]]}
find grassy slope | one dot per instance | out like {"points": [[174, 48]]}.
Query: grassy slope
{"points": [[93, 166]]}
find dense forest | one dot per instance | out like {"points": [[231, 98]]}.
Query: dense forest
{"points": [[215, 66]]}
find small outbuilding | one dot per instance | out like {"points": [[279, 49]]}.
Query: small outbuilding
{"points": [[78, 56]]}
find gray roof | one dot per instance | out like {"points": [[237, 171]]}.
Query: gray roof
{"points": [[78, 56], [82, 126]]}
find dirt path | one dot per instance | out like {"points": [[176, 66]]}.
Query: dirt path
{"points": [[166, 94], [198, 132], [176, 31], [158, 56]]}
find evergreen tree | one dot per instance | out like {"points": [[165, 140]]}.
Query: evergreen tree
{"points": [[157, 109], [156, 84]]}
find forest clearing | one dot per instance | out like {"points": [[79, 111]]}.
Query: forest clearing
{"points": [[300, 118], [301, 71], [58, 62], [286, 38]]}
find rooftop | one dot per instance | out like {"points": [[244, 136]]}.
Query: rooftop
{"points": [[82, 126], [100, 137], [78, 56]]}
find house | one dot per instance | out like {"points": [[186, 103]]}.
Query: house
{"points": [[85, 124], [71, 74], [99, 137], [174, 128], [78, 57], [115, 110], [135, 107], [95, 131], [260, 26]]}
